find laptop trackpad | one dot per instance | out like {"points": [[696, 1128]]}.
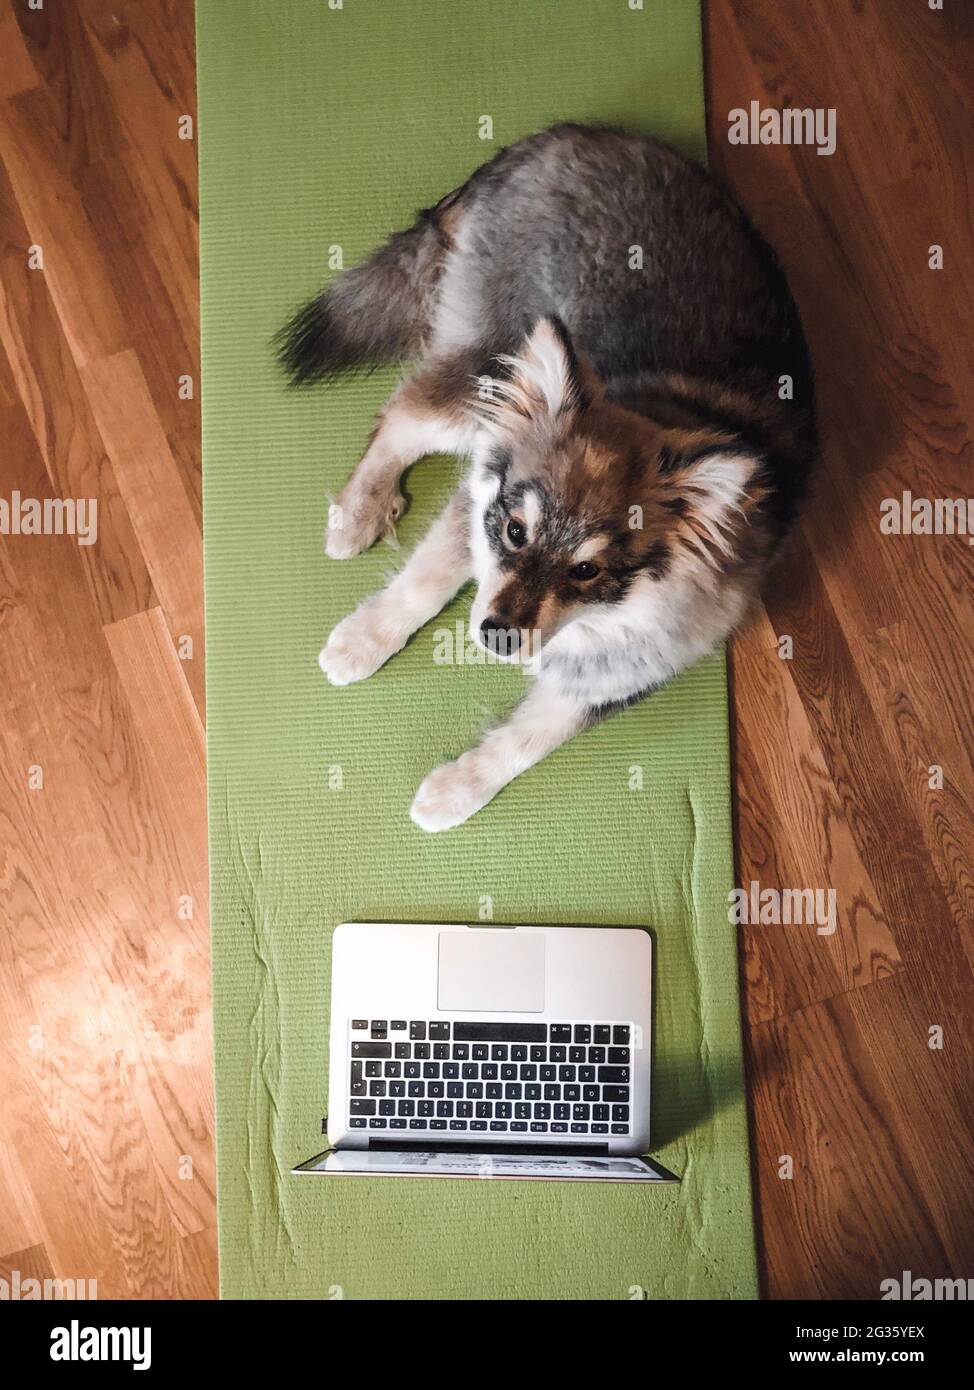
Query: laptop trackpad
{"points": [[494, 971]]}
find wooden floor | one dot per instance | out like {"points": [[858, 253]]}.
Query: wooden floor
{"points": [[106, 1112]]}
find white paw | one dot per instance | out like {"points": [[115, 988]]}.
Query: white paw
{"points": [[360, 517], [360, 644], [450, 795]]}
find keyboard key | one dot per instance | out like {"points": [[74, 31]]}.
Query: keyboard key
{"points": [[602, 1033], [417, 1031], [518, 1126], [360, 1023], [361, 1107], [371, 1049], [498, 1053], [478, 1124], [397, 1124], [620, 1113], [547, 1072], [600, 1112], [499, 1032], [403, 1051], [475, 1090], [454, 1090], [528, 1071], [613, 1074], [458, 1124], [532, 1091], [377, 1124], [560, 1032], [470, 1071], [562, 1112], [502, 1110], [522, 1111], [464, 1109], [580, 1112], [557, 1054], [422, 1051], [512, 1091], [411, 1070], [444, 1109], [583, 1032], [519, 1053], [397, 1088], [398, 1025], [552, 1092], [620, 1129], [620, 1035], [484, 1110], [498, 1125], [407, 1107], [392, 1069], [570, 1092], [424, 1108], [539, 1054], [579, 1129], [480, 1052], [379, 1027], [576, 1054], [416, 1089], [559, 1128], [542, 1111], [356, 1123], [488, 1071], [614, 1094], [619, 1056], [358, 1088], [441, 1052], [509, 1072], [417, 1124], [566, 1073], [493, 1090], [461, 1052], [586, 1073], [377, 1088], [439, 1031], [373, 1068], [590, 1093], [600, 1129], [387, 1107], [431, 1071], [596, 1055], [537, 1127], [435, 1089]]}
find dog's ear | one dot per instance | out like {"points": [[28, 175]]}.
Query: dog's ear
{"points": [[542, 382], [712, 490]]}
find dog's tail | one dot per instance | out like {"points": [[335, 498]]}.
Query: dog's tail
{"points": [[375, 313]]}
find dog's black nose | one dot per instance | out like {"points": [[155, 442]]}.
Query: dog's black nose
{"points": [[504, 641]]}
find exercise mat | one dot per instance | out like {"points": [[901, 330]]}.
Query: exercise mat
{"points": [[323, 127]]}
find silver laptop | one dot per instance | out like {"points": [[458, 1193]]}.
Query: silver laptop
{"points": [[508, 1052]]}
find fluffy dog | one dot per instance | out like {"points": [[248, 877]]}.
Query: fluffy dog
{"points": [[596, 326]]}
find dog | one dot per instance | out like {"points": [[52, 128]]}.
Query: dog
{"points": [[596, 326]]}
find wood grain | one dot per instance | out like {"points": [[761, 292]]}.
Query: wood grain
{"points": [[106, 1153]]}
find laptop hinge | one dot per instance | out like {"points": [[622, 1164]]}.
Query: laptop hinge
{"points": [[430, 1146]]}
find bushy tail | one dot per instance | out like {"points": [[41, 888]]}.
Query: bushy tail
{"points": [[375, 313]]}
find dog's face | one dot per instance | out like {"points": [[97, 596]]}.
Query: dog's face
{"points": [[576, 500]]}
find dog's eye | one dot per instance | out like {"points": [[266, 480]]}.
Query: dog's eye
{"points": [[516, 533], [585, 570]]}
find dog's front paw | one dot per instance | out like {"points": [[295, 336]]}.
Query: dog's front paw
{"points": [[360, 644], [359, 517], [451, 794]]}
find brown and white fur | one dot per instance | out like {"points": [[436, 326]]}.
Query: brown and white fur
{"points": [[639, 429]]}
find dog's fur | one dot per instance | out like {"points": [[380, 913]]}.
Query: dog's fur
{"points": [[596, 325]]}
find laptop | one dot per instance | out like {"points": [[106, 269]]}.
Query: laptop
{"points": [[490, 1052]]}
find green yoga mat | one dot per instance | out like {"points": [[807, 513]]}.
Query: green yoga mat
{"points": [[326, 127]]}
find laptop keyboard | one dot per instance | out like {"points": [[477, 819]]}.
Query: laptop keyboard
{"points": [[490, 1078]]}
